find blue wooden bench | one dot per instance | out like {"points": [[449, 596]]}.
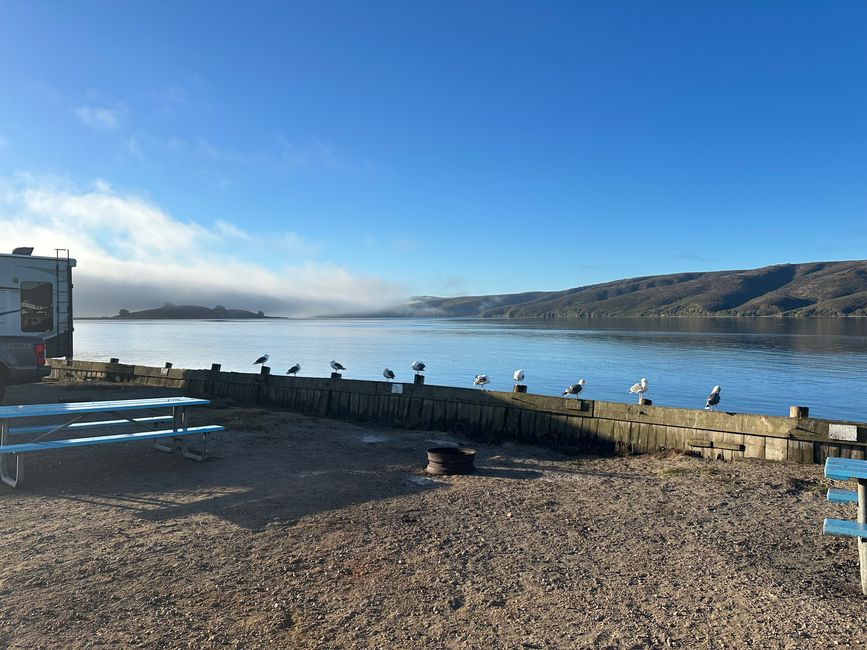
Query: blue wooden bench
{"points": [[845, 469], [138, 428], [842, 496]]}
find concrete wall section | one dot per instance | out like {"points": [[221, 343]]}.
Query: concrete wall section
{"points": [[566, 424]]}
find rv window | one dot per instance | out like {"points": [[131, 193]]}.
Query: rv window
{"points": [[37, 307]]}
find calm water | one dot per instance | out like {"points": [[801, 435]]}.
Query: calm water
{"points": [[763, 366]]}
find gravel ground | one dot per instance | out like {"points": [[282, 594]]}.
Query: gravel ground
{"points": [[307, 533]]}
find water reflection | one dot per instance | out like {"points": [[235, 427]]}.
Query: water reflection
{"points": [[763, 365]]}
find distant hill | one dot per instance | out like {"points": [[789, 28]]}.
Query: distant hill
{"points": [[787, 290], [187, 312]]}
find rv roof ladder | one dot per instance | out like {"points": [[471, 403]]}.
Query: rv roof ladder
{"points": [[63, 302]]}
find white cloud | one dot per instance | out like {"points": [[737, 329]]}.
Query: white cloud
{"points": [[171, 99], [315, 155], [404, 245], [99, 118], [132, 254], [287, 157], [219, 154], [231, 231], [133, 147], [293, 243]]}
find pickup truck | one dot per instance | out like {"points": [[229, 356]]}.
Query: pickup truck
{"points": [[22, 361]]}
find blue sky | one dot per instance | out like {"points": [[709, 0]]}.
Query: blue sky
{"points": [[349, 153]]}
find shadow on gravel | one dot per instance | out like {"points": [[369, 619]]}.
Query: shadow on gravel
{"points": [[267, 468], [516, 474], [274, 483]]}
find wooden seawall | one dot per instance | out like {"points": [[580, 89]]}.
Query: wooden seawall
{"points": [[566, 424]]}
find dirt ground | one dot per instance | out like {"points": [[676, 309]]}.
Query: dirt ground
{"points": [[301, 532]]}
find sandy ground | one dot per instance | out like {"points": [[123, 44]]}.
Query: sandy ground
{"points": [[307, 533]]}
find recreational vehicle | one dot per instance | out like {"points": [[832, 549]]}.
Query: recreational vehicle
{"points": [[35, 314]]}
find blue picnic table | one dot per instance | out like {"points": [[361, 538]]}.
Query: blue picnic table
{"points": [[72, 419], [847, 469]]}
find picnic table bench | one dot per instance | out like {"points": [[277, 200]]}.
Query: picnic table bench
{"points": [[42, 437], [845, 469]]}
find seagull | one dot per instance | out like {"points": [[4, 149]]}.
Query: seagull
{"points": [[294, 370], [388, 374], [337, 366], [418, 366], [263, 359], [640, 388], [481, 380], [574, 389], [712, 399], [519, 375]]}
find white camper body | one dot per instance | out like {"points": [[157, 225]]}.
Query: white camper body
{"points": [[36, 300]]}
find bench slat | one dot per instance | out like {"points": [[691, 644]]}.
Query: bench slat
{"points": [[842, 496], [844, 469], [844, 528], [88, 425], [103, 440], [73, 408]]}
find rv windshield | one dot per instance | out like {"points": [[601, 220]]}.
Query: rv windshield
{"points": [[37, 307]]}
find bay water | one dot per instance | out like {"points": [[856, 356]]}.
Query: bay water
{"points": [[763, 365]]}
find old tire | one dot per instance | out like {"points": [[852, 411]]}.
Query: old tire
{"points": [[450, 460]]}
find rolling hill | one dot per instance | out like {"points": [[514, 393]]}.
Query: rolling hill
{"points": [[785, 290], [185, 312]]}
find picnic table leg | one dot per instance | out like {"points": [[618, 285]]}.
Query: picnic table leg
{"points": [[11, 481], [862, 541], [176, 422], [187, 450]]}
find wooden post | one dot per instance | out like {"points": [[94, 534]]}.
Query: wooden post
{"points": [[799, 411], [862, 541], [168, 365], [209, 383], [265, 371], [519, 388], [336, 375], [114, 360], [645, 401], [419, 380]]}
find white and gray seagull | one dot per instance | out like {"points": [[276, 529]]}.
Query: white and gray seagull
{"points": [[712, 399], [388, 374], [294, 370], [481, 380], [574, 389], [418, 366], [640, 388], [519, 375], [263, 359], [337, 366]]}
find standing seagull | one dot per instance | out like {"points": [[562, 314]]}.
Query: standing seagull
{"points": [[712, 399], [640, 388], [294, 370], [388, 374], [574, 389], [481, 380], [337, 366], [418, 366], [519, 375], [263, 359]]}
